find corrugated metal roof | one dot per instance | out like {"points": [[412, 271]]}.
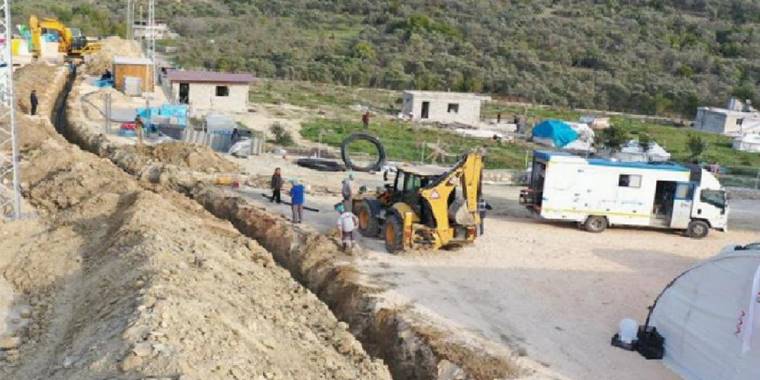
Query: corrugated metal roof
{"points": [[119, 60], [208, 77]]}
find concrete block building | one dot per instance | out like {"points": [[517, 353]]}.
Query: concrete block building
{"points": [[443, 107], [726, 122], [207, 91]]}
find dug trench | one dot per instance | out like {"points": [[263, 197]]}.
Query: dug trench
{"points": [[411, 345], [128, 280]]}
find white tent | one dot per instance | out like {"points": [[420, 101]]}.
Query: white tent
{"points": [[747, 143], [632, 151], [710, 318]]}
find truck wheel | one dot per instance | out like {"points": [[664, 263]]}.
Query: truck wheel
{"points": [[595, 224], [394, 234], [698, 229], [368, 224]]}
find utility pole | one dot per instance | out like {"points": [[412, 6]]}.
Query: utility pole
{"points": [[130, 19], [152, 38], [10, 192]]}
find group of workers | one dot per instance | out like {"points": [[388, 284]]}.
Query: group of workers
{"points": [[347, 221]]}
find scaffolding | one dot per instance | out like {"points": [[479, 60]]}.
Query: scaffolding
{"points": [[10, 193]]}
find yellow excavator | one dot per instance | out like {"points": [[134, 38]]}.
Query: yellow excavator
{"points": [[426, 207], [71, 40]]}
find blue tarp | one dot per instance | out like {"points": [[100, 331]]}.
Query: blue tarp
{"points": [[556, 130], [103, 83], [167, 110]]}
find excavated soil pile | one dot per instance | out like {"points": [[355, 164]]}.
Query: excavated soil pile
{"points": [[194, 157], [110, 47], [128, 283], [414, 347]]}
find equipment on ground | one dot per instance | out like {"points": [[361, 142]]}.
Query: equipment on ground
{"points": [[321, 164], [425, 207], [71, 40], [709, 318], [598, 193], [344, 153]]}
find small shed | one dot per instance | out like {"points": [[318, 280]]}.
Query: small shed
{"points": [[133, 70], [210, 91], [443, 107]]}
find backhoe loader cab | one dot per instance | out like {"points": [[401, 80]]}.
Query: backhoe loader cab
{"points": [[425, 206]]}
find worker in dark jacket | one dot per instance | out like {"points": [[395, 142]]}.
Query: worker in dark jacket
{"points": [[276, 185], [34, 102]]}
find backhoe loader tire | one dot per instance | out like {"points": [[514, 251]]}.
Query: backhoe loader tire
{"points": [[595, 224], [346, 156], [369, 226], [394, 234]]}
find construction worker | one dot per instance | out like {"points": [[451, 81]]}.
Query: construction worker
{"points": [[347, 191], [297, 198], [34, 102], [347, 222], [276, 185], [139, 129], [483, 207]]}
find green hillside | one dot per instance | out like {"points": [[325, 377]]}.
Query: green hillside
{"points": [[649, 56]]}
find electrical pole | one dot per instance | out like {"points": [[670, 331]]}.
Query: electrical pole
{"points": [[130, 19], [10, 192], [152, 38]]}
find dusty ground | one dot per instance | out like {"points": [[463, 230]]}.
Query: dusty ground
{"points": [[549, 291], [114, 280]]}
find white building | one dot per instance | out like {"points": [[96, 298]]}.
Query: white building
{"points": [[443, 107], [727, 122], [207, 91]]}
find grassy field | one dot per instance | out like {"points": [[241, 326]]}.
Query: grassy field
{"points": [[320, 95], [404, 141]]}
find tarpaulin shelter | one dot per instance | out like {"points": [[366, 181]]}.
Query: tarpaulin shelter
{"points": [[555, 133], [710, 317], [747, 143]]}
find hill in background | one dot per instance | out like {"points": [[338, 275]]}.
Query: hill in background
{"points": [[655, 56]]}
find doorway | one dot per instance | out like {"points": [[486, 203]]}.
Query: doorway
{"points": [[664, 197], [184, 93], [425, 110]]}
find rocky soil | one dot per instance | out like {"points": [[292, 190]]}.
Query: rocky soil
{"points": [[124, 281]]}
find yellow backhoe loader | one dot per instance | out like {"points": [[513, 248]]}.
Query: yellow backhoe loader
{"points": [[425, 207], [71, 40]]}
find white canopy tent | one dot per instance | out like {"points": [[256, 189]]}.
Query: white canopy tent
{"points": [[747, 143], [710, 318]]}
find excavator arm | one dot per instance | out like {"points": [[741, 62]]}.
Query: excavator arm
{"points": [[466, 173]]}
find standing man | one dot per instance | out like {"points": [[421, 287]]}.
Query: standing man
{"points": [[347, 191], [139, 130], [276, 185], [483, 206], [347, 222], [365, 120], [297, 200], [34, 102]]}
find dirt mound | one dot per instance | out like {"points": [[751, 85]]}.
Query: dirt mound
{"points": [[198, 158], [128, 283], [110, 47]]}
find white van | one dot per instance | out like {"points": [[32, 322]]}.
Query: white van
{"points": [[598, 193]]}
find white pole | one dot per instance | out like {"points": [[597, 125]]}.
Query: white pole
{"points": [[9, 195]]}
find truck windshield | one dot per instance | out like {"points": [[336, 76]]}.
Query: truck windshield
{"points": [[716, 198]]}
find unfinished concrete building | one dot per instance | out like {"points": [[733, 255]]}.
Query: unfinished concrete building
{"points": [[443, 107], [210, 91], [726, 122]]}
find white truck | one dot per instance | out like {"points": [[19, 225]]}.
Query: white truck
{"points": [[597, 193]]}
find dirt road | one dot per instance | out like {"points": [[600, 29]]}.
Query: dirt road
{"points": [[549, 291]]}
